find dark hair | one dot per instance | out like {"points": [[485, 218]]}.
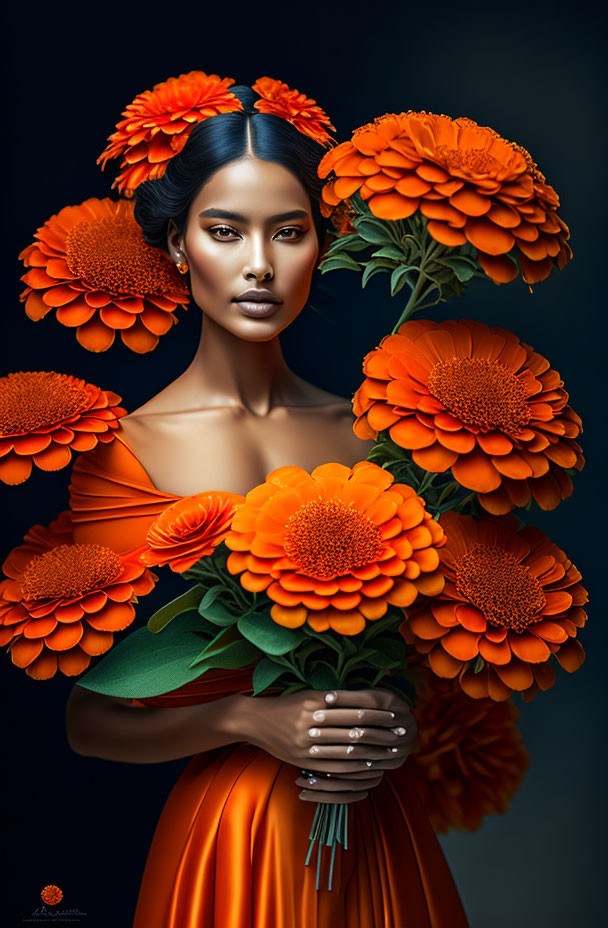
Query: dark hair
{"points": [[215, 142]]}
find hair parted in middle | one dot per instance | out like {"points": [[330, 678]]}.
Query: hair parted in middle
{"points": [[214, 143]]}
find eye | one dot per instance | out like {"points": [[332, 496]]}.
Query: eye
{"points": [[222, 233], [291, 229]]}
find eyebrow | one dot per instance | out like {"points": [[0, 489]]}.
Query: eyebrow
{"points": [[238, 217]]}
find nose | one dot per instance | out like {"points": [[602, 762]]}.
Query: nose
{"points": [[257, 262]]}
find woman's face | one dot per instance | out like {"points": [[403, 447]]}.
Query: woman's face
{"points": [[250, 228]]}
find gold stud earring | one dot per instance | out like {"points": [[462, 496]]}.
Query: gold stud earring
{"points": [[182, 267]]}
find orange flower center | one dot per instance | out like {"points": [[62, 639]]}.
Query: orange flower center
{"points": [[470, 161], [327, 539], [481, 393], [110, 254], [503, 589], [69, 571], [32, 400]]}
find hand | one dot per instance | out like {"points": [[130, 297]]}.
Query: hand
{"points": [[282, 726]]}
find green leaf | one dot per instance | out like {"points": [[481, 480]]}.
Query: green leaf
{"points": [[322, 677], [238, 654], [479, 664], [399, 278], [373, 230], [188, 600], [214, 611], [339, 262], [148, 664], [267, 635], [265, 674], [351, 242], [220, 641], [375, 266], [389, 251], [462, 268]]}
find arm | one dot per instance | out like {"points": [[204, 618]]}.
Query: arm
{"points": [[113, 729]]}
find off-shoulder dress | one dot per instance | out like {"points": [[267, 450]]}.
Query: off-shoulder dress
{"points": [[230, 847]]}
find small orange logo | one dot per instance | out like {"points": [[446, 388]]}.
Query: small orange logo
{"points": [[51, 895]]}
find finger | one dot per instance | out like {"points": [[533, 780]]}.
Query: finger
{"points": [[375, 698], [334, 784], [357, 735], [348, 718], [354, 751], [313, 795]]}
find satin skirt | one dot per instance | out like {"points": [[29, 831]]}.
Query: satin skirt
{"points": [[230, 847]]}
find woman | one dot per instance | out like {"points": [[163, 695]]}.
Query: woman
{"points": [[238, 209]]}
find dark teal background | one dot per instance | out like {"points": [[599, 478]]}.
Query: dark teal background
{"points": [[531, 71]]}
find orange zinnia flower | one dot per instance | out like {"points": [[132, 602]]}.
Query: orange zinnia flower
{"points": [[64, 601], [45, 416], [511, 598], [91, 264], [280, 100], [335, 547], [157, 124], [470, 758], [475, 400], [190, 529], [471, 185]]}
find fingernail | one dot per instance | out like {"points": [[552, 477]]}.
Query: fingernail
{"points": [[314, 732], [393, 714], [400, 731], [350, 749], [314, 749], [319, 715], [331, 696]]}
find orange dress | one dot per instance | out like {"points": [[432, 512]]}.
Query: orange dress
{"points": [[230, 847]]}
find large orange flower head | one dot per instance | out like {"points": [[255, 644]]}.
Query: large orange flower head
{"points": [[335, 547], [279, 99], [511, 600], [63, 601], [476, 400], [470, 184], [156, 125], [91, 265], [45, 416], [470, 758], [190, 529]]}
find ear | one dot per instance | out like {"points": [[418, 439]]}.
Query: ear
{"points": [[175, 242]]}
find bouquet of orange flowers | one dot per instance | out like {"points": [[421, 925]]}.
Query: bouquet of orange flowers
{"points": [[305, 578]]}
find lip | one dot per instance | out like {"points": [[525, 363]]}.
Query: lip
{"points": [[255, 309], [256, 295]]}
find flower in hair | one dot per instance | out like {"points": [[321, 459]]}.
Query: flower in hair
{"points": [[279, 99], [157, 124], [91, 265]]}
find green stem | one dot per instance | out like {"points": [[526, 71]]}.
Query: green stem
{"points": [[411, 303]]}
